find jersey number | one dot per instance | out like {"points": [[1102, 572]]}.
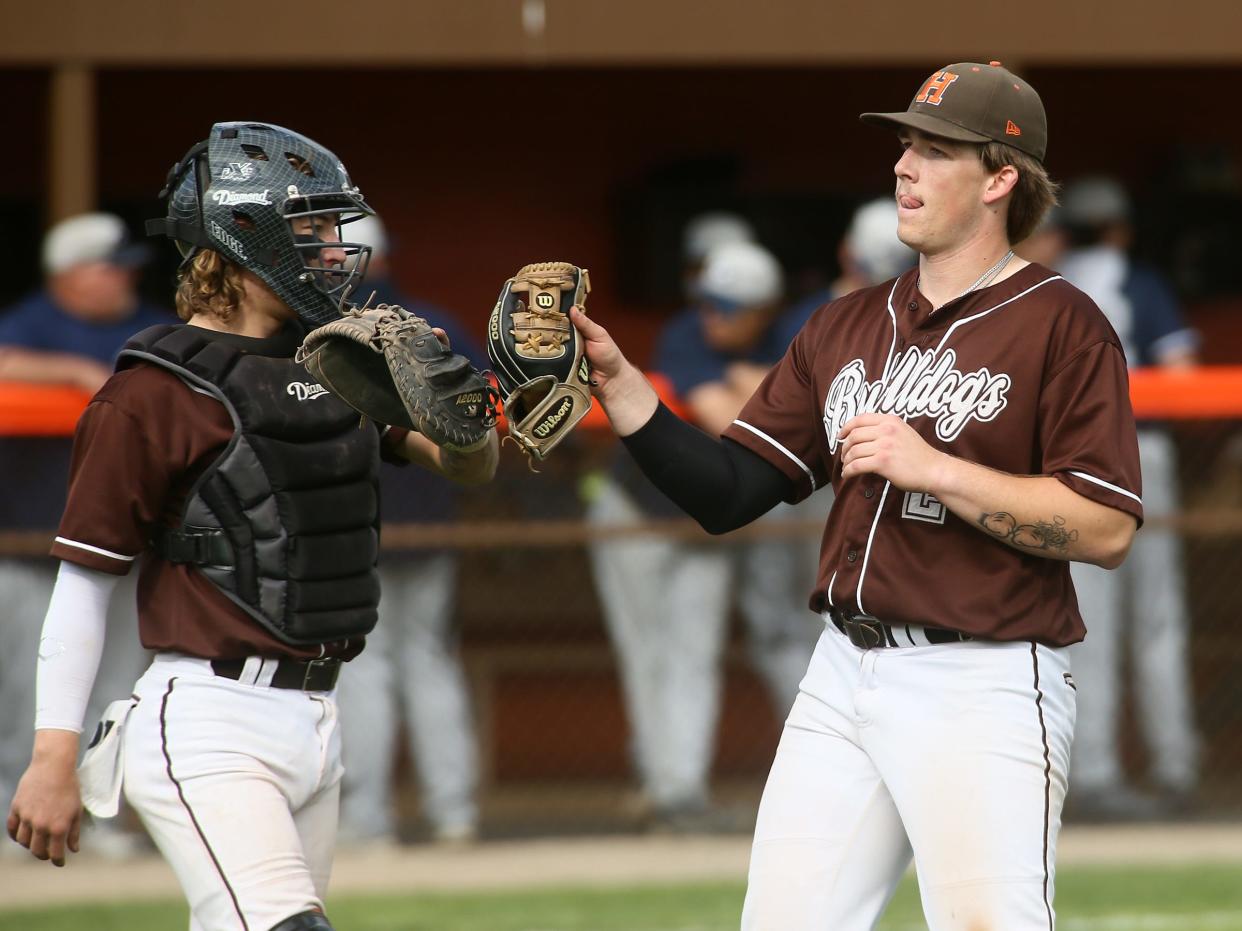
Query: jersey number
{"points": [[919, 505]]}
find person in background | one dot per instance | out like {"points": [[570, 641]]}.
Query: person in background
{"points": [[70, 331], [666, 601], [1140, 609], [411, 675], [702, 234], [1047, 244], [869, 253], [66, 333]]}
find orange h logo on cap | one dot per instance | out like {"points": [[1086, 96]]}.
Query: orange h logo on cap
{"points": [[933, 90]]}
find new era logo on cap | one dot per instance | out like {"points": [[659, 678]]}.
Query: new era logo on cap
{"points": [[1011, 128]]}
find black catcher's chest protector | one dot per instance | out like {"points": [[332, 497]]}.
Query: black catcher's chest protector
{"points": [[286, 521]]}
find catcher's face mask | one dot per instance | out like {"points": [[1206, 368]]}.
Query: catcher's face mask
{"points": [[332, 263], [242, 192]]}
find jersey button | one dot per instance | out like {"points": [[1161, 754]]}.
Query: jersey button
{"points": [[852, 555], [913, 305], [869, 493]]}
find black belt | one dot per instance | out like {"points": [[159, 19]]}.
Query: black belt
{"points": [[870, 633], [314, 675]]}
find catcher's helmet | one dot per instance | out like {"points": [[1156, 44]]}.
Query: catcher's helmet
{"points": [[237, 191]]}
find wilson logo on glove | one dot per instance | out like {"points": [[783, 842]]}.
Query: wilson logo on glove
{"points": [[537, 354], [553, 421]]}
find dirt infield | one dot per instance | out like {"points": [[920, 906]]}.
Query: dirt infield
{"points": [[602, 861]]}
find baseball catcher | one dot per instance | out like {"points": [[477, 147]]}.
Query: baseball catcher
{"points": [[391, 366], [538, 355]]}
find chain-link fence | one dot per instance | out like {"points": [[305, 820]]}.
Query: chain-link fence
{"points": [[557, 748]]}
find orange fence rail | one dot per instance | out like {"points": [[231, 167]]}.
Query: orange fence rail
{"points": [[39, 410], [1206, 392], [1202, 393], [53, 410]]}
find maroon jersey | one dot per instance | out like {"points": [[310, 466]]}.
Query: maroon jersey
{"points": [[1025, 377], [139, 446]]}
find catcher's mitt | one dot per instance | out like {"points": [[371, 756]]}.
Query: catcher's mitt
{"points": [[388, 365], [537, 354]]}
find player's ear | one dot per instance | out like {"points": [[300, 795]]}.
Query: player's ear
{"points": [[1000, 183]]}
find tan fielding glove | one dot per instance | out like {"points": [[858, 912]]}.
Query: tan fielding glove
{"points": [[537, 354]]}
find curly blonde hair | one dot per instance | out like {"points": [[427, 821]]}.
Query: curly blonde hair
{"points": [[210, 284], [1034, 194]]}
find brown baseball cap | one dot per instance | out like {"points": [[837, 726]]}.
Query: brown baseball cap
{"points": [[973, 102]]}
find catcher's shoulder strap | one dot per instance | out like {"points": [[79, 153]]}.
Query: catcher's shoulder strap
{"points": [[202, 546]]}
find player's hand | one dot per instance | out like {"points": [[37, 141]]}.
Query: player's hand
{"points": [[608, 364], [46, 814], [885, 445], [627, 396]]}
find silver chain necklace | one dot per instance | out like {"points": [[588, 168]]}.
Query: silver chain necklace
{"points": [[982, 281]]}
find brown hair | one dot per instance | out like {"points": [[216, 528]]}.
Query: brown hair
{"points": [[1034, 194], [210, 284]]}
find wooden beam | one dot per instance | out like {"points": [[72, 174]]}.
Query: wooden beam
{"points": [[72, 178], [421, 33]]}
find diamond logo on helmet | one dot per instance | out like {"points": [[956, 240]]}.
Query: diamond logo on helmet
{"points": [[229, 198]]}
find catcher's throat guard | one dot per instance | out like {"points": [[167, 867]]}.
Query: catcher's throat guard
{"points": [[538, 356]]}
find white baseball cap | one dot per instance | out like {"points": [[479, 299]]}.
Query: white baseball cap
{"points": [[91, 237], [872, 241], [708, 230], [369, 230], [1094, 201], [737, 275]]}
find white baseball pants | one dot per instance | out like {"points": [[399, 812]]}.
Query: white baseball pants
{"points": [[238, 786], [956, 754]]}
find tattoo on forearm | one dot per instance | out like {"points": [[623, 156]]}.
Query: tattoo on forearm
{"points": [[1039, 535]]}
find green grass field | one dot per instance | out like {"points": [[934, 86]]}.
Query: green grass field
{"points": [[1207, 898]]}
